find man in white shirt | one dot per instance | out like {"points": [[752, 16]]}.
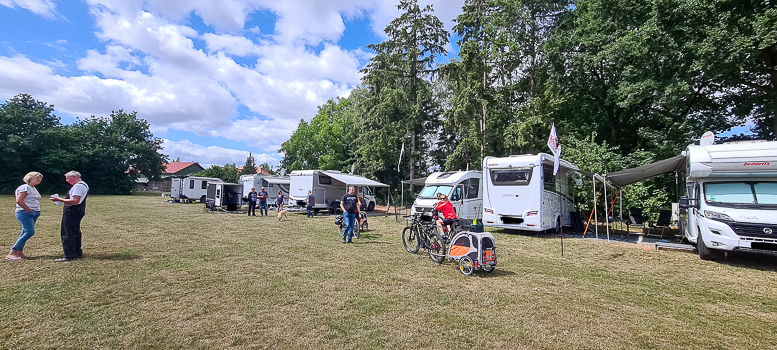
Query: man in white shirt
{"points": [[75, 208]]}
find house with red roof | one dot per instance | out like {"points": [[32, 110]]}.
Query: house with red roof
{"points": [[172, 169], [259, 170]]}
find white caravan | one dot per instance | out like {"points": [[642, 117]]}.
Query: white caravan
{"points": [[732, 198], [271, 183], [192, 187], [463, 188], [521, 193], [328, 187], [225, 195]]}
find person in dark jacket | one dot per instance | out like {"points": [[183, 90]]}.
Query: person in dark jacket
{"points": [[252, 196], [350, 206], [311, 201]]}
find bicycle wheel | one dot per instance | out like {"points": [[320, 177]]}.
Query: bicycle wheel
{"points": [[410, 239], [356, 228], [436, 247], [340, 229], [465, 266]]}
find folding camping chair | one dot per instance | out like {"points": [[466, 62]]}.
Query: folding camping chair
{"points": [[664, 220], [635, 219]]}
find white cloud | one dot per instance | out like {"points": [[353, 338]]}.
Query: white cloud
{"points": [[230, 44], [45, 8], [188, 151]]}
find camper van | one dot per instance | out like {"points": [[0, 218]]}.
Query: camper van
{"points": [[271, 183], [463, 189], [329, 186], [192, 187], [227, 196], [521, 193], [731, 202]]}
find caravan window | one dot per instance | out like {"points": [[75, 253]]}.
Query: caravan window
{"points": [[548, 179], [432, 191], [324, 180], [204, 185], [510, 177], [367, 191], [473, 187], [191, 184], [456, 195]]}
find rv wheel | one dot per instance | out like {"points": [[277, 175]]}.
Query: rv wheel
{"points": [[706, 253], [371, 207], [202, 199]]}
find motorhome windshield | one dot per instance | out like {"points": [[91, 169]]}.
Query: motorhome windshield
{"points": [[741, 194], [511, 177], [432, 191]]}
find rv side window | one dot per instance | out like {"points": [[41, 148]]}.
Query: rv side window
{"points": [[191, 184], [548, 178], [324, 180], [473, 188], [456, 195], [204, 185], [510, 177], [367, 191], [265, 183]]}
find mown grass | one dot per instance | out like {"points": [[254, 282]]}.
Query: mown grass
{"points": [[168, 276]]}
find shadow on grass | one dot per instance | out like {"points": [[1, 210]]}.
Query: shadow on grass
{"points": [[114, 256], [758, 261]]}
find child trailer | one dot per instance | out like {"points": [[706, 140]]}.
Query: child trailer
{"points": [[474, 251]]}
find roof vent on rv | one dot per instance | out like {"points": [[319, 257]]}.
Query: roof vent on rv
{"points": [[445, 175]]}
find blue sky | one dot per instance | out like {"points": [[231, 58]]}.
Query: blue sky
{"points": [[215, 79]]}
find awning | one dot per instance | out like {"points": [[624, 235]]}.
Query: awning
{"points": [[280, 180], [420, 181], [627, 177], [354, 180]]}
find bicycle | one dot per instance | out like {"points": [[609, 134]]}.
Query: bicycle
{"points": [[340, 222], [422, 233]]}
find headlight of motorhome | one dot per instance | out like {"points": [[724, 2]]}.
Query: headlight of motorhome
{"points": [[716, 216]]}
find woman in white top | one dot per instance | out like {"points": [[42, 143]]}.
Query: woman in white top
{"points": [[27, 212]]}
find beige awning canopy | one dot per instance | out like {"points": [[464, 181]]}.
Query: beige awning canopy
{"points": [[627, 177]]}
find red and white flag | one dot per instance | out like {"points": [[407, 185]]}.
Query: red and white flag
{"points": [[555, 147]]}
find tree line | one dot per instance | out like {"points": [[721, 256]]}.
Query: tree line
{"points": [[625, 82], [110, 152]]}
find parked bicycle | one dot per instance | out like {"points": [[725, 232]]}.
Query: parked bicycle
{"points": [[359, 225], [422, 232]]}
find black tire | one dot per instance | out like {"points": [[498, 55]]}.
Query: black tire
{"points": [[489, 268], [316, 210], [436, 247], [706, 253], [340, 230], [356, 228], [371, 206], [203, 199], [410, 239], [466, 266]]}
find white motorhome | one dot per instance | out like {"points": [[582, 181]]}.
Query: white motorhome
{"points": [[225, 195], [328, 187], [732, 198], [521, 193], [271, 183], [192, 187], [463, 188]]}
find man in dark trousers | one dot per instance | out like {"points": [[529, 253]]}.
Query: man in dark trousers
{"points": [[311, 201], [73, 212], [263, 202], [350, 206], [252, 196]]}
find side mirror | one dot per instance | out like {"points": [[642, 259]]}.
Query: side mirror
{"points": [[688, 203]]}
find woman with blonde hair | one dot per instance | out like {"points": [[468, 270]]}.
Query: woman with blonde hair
{"points": [[27, 212]]}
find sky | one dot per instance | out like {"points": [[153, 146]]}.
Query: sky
{"points": [[215, 79]]}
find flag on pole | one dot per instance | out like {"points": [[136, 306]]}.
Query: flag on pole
{"points": [[400, 155], [555, 147]]}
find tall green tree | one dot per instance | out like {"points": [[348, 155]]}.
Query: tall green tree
{"points": [[250, 166], [399, 72], [228, 173]]}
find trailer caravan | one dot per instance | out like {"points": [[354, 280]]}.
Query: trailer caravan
{"points": [[463, 188], [227, 196], [521, 193], [328, 187], [271, 183], [192, 187], [731, 202]]}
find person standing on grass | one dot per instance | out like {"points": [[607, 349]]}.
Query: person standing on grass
{"points": [[252, 196], [262, 202], [27, 212], [72, 213], [279, 201], [311, 201], [350, 206]]}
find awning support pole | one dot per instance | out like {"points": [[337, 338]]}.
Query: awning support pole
{"points": [[596, 215], [606, 212]]}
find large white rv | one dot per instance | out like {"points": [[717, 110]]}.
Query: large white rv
{"points": [[328, 187], [521, 193], [463, 189], [225, 195], [271, 183], [732, 198], [192, 187]]}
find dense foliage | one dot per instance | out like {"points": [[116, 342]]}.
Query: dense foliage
{"points": [[110, 152], [626, 83]]}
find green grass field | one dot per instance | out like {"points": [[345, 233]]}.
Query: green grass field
{"points": [[158, 275]]}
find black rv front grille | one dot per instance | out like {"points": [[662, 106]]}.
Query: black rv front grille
{"points": [[754, 230]]}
